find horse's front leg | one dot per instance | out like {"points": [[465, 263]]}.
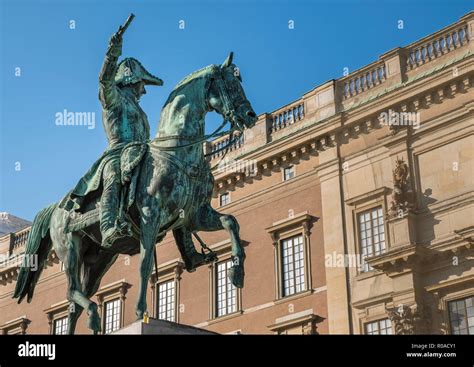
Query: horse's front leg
{"points": [[211, 220], [147, 247]]}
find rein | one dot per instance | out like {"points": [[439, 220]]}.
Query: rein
{"points": [[215, 134], [229, 114]]}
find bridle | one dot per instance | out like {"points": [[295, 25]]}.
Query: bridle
{"points": [[228, 116]]}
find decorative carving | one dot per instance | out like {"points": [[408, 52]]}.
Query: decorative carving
{"points": [[402, 196], [178, 270], [410, 320], [310, 328], [17, 326]]}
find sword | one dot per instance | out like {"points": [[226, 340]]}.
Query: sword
{"points": [[124, 27]]}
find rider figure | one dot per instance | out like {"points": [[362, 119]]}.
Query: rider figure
{"points": [[120, 89]]}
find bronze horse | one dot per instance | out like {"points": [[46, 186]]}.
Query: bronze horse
{"points": [[173, 186]]}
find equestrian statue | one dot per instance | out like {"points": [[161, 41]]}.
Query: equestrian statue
{"points": [[140, 189]]}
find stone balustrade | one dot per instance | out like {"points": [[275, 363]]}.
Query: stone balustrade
{"points": [[14, 243], [20, 238], [390, 71], [287, 116], [436, 45], [364, 79], [219, 146]]}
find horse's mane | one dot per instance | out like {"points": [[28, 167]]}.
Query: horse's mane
{"points": [[198, 74]]}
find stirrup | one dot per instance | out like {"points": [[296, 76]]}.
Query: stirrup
{"points": [[124, 228]]}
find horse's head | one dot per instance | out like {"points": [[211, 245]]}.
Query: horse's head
{"points": [[227, 97]]}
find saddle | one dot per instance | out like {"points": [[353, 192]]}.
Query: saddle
{"points": [[130, 162]]}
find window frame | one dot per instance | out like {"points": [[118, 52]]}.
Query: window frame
{"points": [[55, 320], [120, 313], [445, 292], [170, 307], [223, 251], [297, 225], [378, 320], [282, 273], [167, 272], [110, 292], [449, 320], [358, 211], [224, 194], [57, 311], [234, 290], [293, 168]]}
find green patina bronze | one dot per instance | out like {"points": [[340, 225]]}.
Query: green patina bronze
{"points": [[140, 189]]}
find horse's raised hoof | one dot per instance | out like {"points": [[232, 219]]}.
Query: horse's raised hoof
{"points": [[93, 321], [237, 275]]}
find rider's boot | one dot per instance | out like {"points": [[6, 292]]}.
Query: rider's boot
{"points": [[109, 206], [193, 259], [190, 256]]}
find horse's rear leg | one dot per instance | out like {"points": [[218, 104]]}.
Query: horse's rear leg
{"points": [[74, 292], [94, 270]]}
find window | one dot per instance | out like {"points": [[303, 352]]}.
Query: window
{"points": [[293, 269], [166, 300], [371, 234], [112, 315], [165, 290], [291, 240], [60, 326], [288, 173], [224, 298], [461, 316], [224, 199], [379, 327], [226, 292]]}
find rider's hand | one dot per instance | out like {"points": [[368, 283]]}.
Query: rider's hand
{"points": [[115, 44], [116, 39]]}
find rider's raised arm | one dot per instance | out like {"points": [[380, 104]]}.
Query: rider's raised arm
{"points": [[108, 91]]}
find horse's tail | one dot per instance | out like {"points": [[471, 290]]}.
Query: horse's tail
{"points": [[36, 253]]}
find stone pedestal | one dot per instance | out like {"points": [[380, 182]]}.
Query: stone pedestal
{"points": [[161, 327], [402, 231]]}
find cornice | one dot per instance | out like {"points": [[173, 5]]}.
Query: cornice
{"points": [[120, 286], [417, 257], [173, 267], [315, 137], [295, 320], [57, 307], [300, 219], [381, 298], [441, 286], [381, 191]]}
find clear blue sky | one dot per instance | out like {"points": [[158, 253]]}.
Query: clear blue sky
{"points": [[60, 66]]}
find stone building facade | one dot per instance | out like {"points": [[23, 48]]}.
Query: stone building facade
{"points": [[356, 207]]}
